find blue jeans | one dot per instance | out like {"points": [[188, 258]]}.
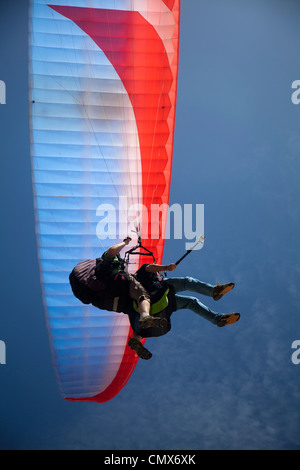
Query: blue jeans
{"points": [[192, 303]]}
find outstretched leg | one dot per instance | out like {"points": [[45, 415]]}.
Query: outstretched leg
{"points": [[194, 304], [189, 283]]}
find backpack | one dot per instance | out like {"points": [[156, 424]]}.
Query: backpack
{"points": [[84, 282]]}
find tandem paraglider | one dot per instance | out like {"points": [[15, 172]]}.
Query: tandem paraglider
{"points": [[146, 297]]}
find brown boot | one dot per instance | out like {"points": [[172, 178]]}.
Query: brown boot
{"points": [[228, 319], [139, 349], [150, 321], [222, 289]]}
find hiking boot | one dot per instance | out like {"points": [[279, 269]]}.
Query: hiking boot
{"points": [[222, 289], [152, 322], [139, 349], [228, 319]]}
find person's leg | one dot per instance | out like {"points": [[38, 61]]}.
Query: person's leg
{"points": [[189, 283], [181, 284], [138, 293], [194, 304]]}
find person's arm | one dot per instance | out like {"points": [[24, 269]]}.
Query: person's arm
{"points": [[115, 249], [154, 268]]}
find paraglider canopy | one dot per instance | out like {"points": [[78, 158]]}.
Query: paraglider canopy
{"points": [[103, 84]]}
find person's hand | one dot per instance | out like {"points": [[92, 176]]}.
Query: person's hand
{"points": [[127, 240], [171, 267]]}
